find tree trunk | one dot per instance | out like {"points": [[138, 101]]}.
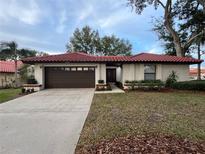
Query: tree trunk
{"points": [[15, 73], [180, 51], [199, 65], [15, 63]]}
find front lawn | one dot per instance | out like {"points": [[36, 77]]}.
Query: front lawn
{"points": [[8, 94], [178, 114]]}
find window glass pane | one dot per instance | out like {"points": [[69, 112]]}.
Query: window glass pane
{"points": [[85, 69], [67, 69], [91, 69], [149, 76], [79, 69], [73, 68], [149, 68]]}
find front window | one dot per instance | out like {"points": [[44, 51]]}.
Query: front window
{"points": [[149, 72]]}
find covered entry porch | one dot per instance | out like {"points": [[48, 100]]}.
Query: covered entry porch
{"points": [[113, 73]]}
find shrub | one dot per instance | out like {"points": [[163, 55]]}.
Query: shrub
{"points": [[31, 80], [172, 78], [127, 81], [189, 85], [136, 82], [101, 81], [145, 84], [23, 90], [119, 84]]}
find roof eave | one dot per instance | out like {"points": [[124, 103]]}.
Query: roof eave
{"points": [[108, 61]]}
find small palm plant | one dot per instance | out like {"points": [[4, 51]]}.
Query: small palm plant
{"points": [[172, 78]]}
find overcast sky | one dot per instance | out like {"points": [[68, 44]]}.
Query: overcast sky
{"points": [[47, 25]]}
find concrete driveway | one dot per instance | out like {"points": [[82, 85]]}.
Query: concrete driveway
{"points": [[46, 122]]}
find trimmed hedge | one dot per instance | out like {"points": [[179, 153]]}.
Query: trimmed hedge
{"points": [[144, 81], [119, 85], [31, 81], [190, 85], [101, 81], [145, 84]]}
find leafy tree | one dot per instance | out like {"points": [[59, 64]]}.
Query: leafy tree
{"points": [[202, 2], [192, 21], [168, 22], [11, 47], [112, 46], [85, 40], [165, 36], [10, 51], [89, 41], [195, 22]]}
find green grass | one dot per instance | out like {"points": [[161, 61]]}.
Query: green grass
{"points": [[8, 94], [136, 113]]}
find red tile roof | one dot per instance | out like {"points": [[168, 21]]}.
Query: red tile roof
{"points": [[149, 57], [82, 57], [9, 66], [194, 71]]}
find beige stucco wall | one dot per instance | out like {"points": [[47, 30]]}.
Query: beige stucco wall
{"points": [[119, 74], [182, 71], [38, 73], [132, 72], [128, 71], [136, 71], [100, 70]]}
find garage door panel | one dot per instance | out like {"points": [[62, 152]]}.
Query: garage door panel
{"points": [[56, 78]]}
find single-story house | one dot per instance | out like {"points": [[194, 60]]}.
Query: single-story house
{"points": [[193, 73], [7, 72], [80, 70]]}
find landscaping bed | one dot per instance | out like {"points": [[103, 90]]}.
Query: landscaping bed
{"points": [[103, 87], [145, 85], [118, 120]]}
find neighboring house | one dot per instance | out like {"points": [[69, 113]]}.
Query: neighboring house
{"points": [[80, 70], [193, 73], [7, 73]]}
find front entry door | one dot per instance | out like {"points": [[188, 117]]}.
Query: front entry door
{"points": [[111, 75]]}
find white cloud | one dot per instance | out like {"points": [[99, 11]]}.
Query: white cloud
{"points": [[113, 19], [26, 11], [62, 19], [21, 38], [86, 12]]}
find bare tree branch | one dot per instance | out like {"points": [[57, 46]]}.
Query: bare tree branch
{"points": [[192, 38], [161, 3]]}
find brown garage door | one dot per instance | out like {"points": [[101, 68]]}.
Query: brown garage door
{"points": [[70, 77]]}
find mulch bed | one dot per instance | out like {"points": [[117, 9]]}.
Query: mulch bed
{"points": [[144, 145]]}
